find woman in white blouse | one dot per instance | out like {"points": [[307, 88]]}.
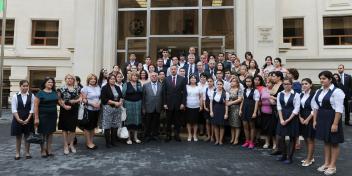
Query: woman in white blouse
{"points": [[207, 94], [328, 107], [91, 97], [306, 120], [194, 106], [288, 106], [219, 111]]}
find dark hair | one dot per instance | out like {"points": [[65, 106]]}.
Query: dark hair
{"points": [[307, 80], [279, 74], [338, 75], [267, 57], [190, 77], [23, 82], [217, 64], [78, 80], [261, 80], [146, 74], [256, 66], [204, 75], [109, 77], [250, 78], [210, 78], [115, 66], [165, 49], [151, 65], [161, 71], [288, 79], [328, 75], [101, 77], [248, 53], [294, 73], [46, 79], [220, 81], [278, 59]]}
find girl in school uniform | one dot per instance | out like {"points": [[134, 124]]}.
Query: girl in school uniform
{"points": [[306, 120], [219, 111], [22, 122], [288, 106], [328, 107], [207, 94], [248, 111]]}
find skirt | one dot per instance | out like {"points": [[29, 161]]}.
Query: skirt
{"points": [[19, 129], [234, 117], [291, 129], [192, 115], [93, 117], [47, 122], [134, 114], [68, 119], [219, 113], [268, 123], [325, 119], [111, 117]]}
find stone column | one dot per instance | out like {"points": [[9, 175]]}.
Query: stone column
{"points": [[88, 56], [110, 34]]}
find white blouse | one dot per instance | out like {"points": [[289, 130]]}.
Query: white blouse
{"points": [[218, 96], [193, 96], [296, 101], [336, 99], [256, 95], [14, 102], [210, 93], [304, 99]]}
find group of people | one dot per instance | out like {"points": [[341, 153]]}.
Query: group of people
{"points": [[205, 94]]}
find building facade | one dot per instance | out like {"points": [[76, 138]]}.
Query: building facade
{"points": [[56, 37]]}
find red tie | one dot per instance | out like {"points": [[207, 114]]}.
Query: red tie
{"points": [[174, 80]]}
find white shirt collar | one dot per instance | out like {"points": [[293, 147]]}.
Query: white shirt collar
{"points": [[19, 93], [291, 92], [331, 87]]}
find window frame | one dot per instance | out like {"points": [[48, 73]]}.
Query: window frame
{"points": [[323, 35], [304, 32], [14, 33], [44, 46]]}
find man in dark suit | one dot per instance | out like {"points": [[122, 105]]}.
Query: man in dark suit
{"points": [[174, 100], [211, 71], [166, 59], [200, 70], [190, 67], [346, 81], [152, 103], [221, 59], [160, 66], [130, 62]]}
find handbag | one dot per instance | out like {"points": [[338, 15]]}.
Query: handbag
{"points": [[123, 114], [83, 115], [122, 133], [35, 138]]}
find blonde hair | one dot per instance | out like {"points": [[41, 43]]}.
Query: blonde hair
{"points": [[90, 77], [134, 73], [237, 80], [73, 77]]}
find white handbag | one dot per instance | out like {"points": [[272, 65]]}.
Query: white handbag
{"points": [[123, 114], [122, 133], [82, 106]]}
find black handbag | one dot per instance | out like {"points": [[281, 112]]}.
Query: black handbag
{"points": [[35, 138]]}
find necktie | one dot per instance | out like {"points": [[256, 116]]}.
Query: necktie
{"points": [[154, 88], [191, 69], [211, 72], [342, 79], [174, 80]]}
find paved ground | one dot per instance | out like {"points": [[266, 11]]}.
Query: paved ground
{"points": [[160, 159]]}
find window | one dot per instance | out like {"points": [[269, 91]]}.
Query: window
{"points": [[217, 3], [36, 78], [134, 25], [177, 22], [45, 33], [338, 30], [10, 31], [294, 31]]}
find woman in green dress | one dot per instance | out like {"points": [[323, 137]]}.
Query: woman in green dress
{"points": [[45, 113]]}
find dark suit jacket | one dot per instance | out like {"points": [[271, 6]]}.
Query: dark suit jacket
{"points": [[167, 65], [186, 66], [152, 103], [227, 65], [174, 96], [106, 94], [347, 87]]}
